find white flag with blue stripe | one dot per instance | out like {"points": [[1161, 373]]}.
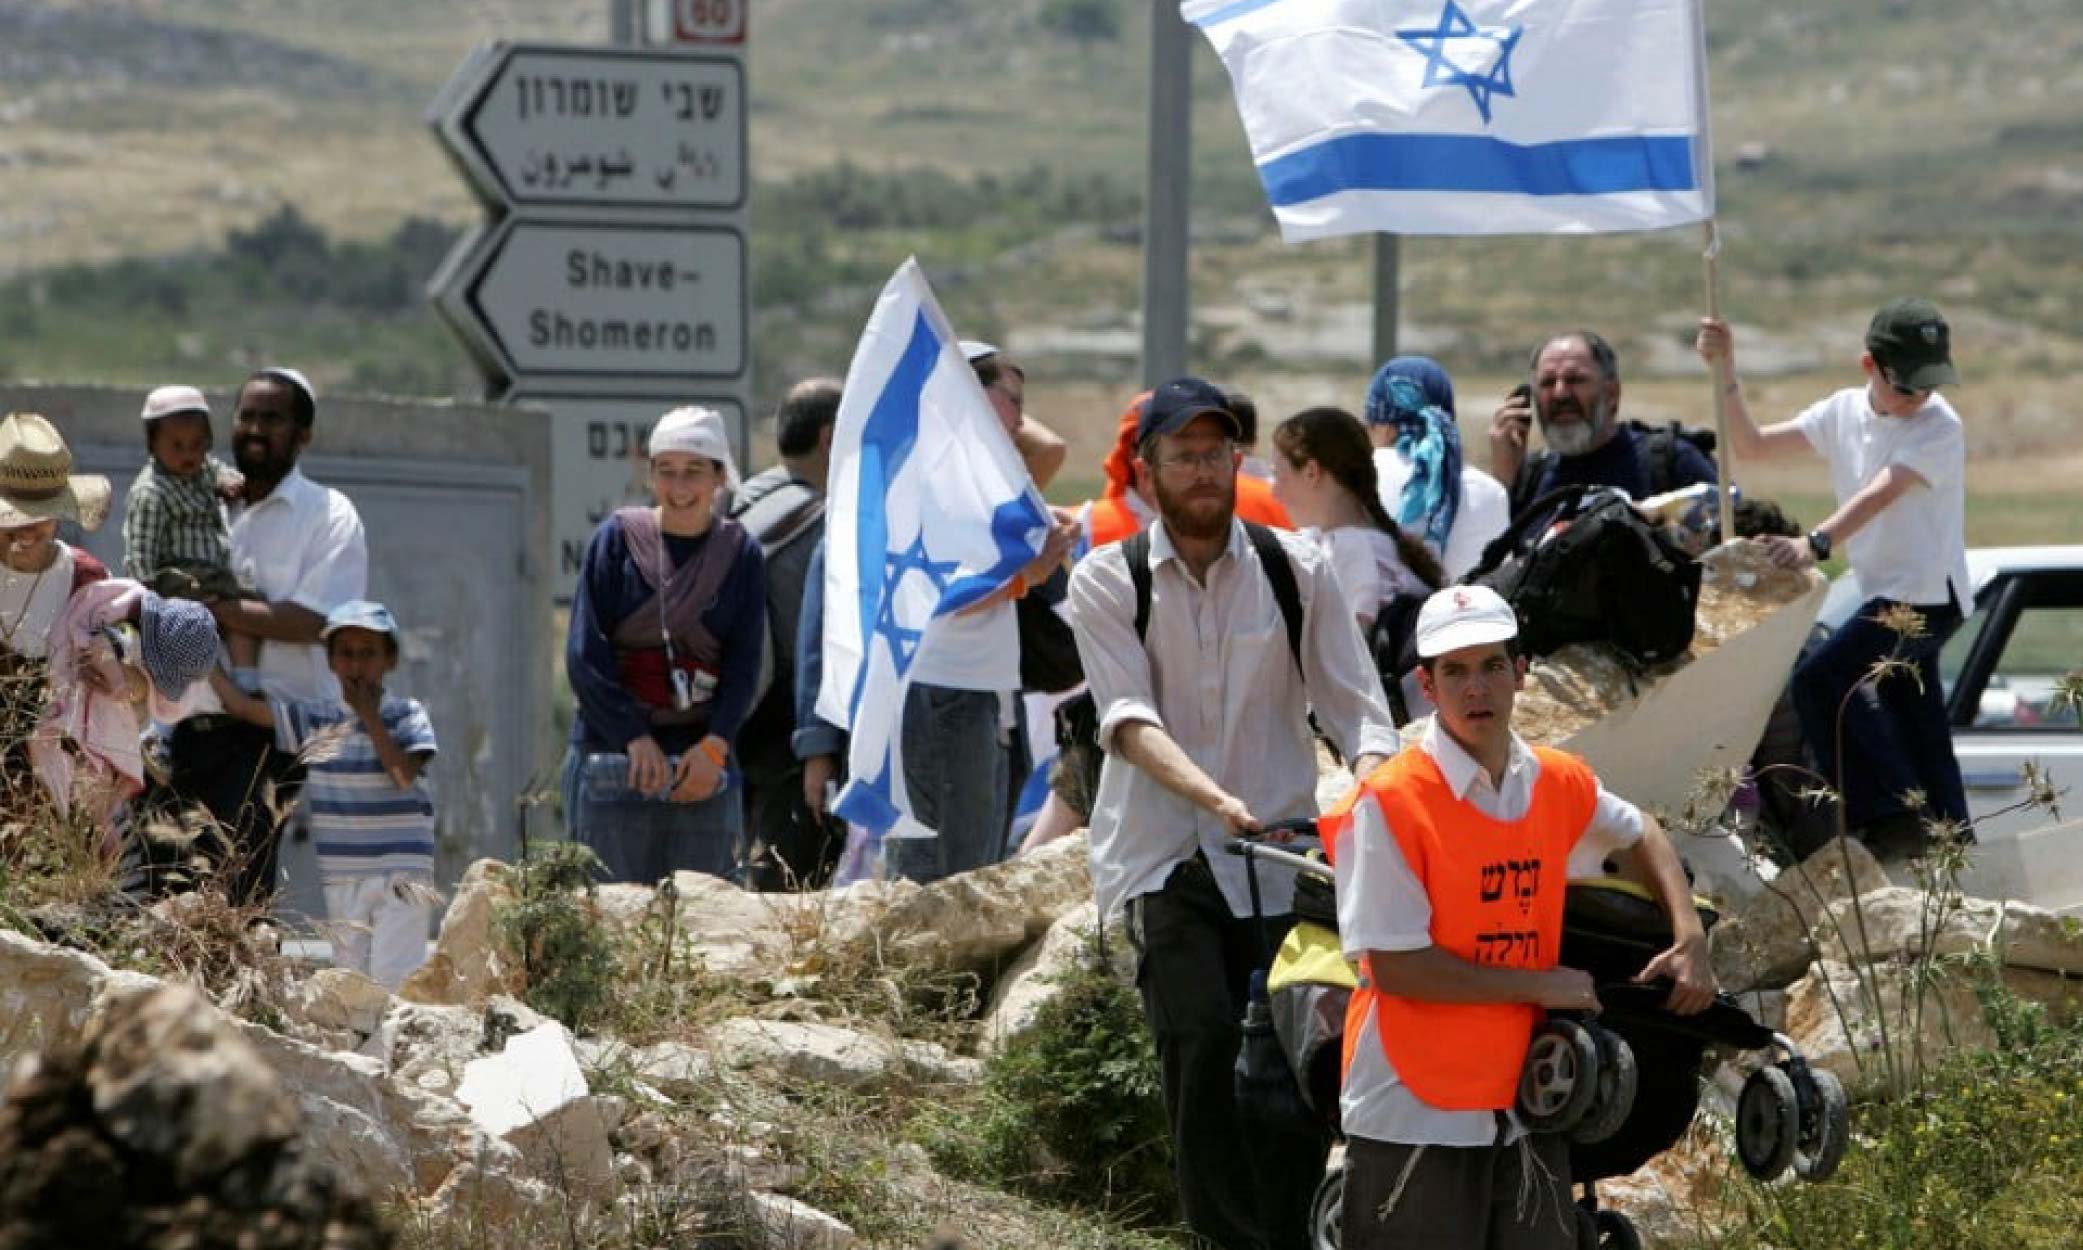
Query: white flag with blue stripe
{"points": [[1470, 116], [929, 509]]}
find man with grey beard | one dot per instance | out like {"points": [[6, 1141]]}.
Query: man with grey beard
{"points": [[1574, 393]]}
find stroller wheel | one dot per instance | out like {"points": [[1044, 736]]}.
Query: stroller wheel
{"points": [[1615, 1095], [1327, 1207], [1615, 1232], [1826, 1125], [1768, 1123], [1560, 1079]]}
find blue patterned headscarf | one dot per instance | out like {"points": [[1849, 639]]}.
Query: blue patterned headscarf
{"points": [[1413, 394]]}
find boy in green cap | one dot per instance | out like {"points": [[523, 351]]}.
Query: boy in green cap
{"points": [[1897, 462]]}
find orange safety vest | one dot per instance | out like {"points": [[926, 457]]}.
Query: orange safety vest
{"points": [[1496, 890]]}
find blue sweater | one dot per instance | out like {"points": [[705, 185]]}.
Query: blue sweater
{"points": [[609, 589]]}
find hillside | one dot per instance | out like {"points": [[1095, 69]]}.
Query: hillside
{"points": [[1884, 145]]}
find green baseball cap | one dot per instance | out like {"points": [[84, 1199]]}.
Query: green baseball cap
{"points": [[1911, 341]]}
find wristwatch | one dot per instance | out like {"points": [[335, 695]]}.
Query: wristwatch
{"points": [[1819, 543]]}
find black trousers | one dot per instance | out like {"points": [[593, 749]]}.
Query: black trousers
{"points": [[234, 771], [1240, 1188]]}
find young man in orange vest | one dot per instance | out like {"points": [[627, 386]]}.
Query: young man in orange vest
{"points": [[1451, 861]]}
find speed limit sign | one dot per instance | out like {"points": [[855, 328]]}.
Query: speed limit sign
{"points": [[696, 21]]}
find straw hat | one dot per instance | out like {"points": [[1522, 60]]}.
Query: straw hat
{"points": [[36, 478]]}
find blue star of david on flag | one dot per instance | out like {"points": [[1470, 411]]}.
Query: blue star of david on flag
{"points": [[1447, 66], [904, 642]]}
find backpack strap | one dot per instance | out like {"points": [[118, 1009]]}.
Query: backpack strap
{"points": [[1280, 575], [1527, 521], [1135, 549], [1527, 481]]}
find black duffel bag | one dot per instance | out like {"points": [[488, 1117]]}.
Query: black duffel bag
{"points": [[1582, 565]]}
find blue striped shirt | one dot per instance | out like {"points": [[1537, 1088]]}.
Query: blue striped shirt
{"points": [[364, 825]]}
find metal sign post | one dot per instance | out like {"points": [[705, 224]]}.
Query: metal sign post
{"points": [[611, 281]]}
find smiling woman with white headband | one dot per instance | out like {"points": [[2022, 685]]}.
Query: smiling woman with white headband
{"points": [[667, 626]]}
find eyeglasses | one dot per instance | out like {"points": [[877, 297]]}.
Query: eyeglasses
{"points": [[1212, 460]]}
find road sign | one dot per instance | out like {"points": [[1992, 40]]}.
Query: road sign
{"points": [[598, 463], [547, 125], [695, 21], [638, 301]]}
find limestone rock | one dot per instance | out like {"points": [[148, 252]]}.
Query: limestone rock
{"points": [[1679, 1197], [570, 1148], [1031, 981], [49, 994], [829, 1055], [427, 1045], [533, 1095], [343, 1001], [486, 1198], [1897, 922], [391, 1133], [971, 921], [798, 1225], [675, 1070], [469, 962], [171, 1080], [1875, 1028], [162, 1125], [1765, 942]]}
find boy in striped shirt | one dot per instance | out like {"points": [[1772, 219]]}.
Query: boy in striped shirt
{"points": [[371, 812]]}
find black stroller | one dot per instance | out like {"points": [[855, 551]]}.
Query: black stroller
{"points": [[1624, 1087]]}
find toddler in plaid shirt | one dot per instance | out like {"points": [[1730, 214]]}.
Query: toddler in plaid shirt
{"points": [[175, 536]]}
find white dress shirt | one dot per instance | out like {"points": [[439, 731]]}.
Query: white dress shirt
{"points": [[1215, 673], [301, 544], [1382, 906]]}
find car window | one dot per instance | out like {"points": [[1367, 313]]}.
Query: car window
{"points": [[2045, 645]]}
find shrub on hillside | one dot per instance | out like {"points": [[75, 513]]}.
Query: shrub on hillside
{"points": [[1071, 1110], [1984, 1156], [570, 963]]}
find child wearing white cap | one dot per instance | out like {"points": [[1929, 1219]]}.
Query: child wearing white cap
{"points": [[176, 538], [372, 813]]}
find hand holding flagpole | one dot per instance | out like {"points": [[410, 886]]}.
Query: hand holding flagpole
{"points": [[1722, 375]]}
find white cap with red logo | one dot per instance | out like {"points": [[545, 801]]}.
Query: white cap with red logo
{"points": [[1463, 616]]}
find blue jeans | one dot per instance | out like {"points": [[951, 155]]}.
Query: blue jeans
{"points": [[644, 840], [1895, 734], [958, 774]]}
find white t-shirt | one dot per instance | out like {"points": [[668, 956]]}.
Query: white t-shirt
{"points": [[1382, 906], [31, 603], [1915, 549], [959, 648], [1486, 508], [1368, 567]]}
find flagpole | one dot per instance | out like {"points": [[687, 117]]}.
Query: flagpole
{"points": [[1722, 378]]}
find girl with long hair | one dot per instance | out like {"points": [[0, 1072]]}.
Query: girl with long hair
{"points": [[1323, 471]]}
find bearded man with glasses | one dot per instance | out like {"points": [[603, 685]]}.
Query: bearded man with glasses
{"points": [[1897, 460], [1206, 642]]}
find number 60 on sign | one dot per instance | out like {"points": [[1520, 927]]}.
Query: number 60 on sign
{"points": [[695, 21]]}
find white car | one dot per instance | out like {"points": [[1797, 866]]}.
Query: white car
{"points": [[2002, 671]]}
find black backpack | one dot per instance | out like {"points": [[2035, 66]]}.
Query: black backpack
{"points": [[1048, 649], [1392, 640], [1659, 452], [1609, 576]]}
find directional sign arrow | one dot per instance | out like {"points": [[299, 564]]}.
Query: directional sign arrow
{"points": [[566, 300], [554, 125]]}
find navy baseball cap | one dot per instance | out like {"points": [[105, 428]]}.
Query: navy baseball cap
{"points": [[1172, 406]]}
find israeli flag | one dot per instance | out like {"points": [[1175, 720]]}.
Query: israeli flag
{"points": [[928, 510], [1470, 116]]}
